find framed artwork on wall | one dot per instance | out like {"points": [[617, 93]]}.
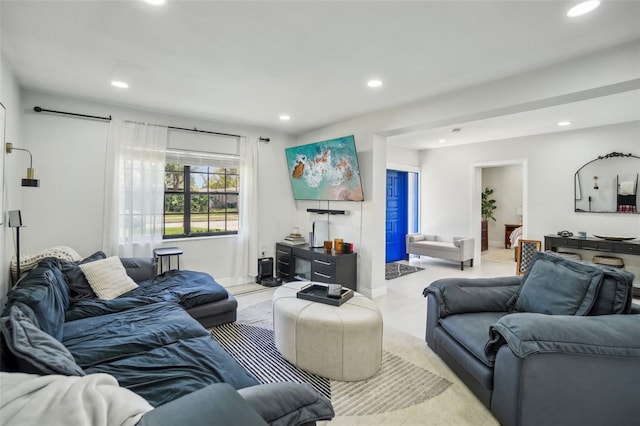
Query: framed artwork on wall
{"points": [[3, 112]]}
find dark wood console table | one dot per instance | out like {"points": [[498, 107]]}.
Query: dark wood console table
{"points": [[314, 264], [554, 242]]}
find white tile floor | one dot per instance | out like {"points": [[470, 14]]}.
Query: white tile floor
{"points": [[404, 307]]}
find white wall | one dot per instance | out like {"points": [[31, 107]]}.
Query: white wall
{"points": [[451, 192], [552, 161], [10, 99], [69, 158]]}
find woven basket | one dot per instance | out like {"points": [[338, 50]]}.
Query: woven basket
{"points": [[616, 262], [574, 256]]}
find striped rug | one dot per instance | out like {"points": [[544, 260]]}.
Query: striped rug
{"points": [[399, 383]]}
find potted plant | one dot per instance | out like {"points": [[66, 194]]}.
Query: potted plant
{"points": [[488, 206]]}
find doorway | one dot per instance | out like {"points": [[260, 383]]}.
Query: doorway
{"points": [[401, 212], [508, 179]]}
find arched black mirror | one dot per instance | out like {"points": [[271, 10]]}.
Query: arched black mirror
{"points": [[608, 184]]}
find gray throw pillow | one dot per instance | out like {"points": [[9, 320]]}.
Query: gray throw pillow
{"points": [[35, 351], [557, 286]]}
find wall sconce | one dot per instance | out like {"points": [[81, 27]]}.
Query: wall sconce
{"points": [[595, 182], [31, 173]]}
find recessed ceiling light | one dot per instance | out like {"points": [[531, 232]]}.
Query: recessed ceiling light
{"points": [[564, 123], [285, 117], [155, 2], [374, 83], [442, 141], [583, 8], [120, 84]]}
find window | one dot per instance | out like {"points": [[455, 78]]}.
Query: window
{"points": [[200, 199]]}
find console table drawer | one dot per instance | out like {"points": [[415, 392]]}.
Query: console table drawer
{"points": [[628, 248], [565, 242], [323, 278], [597, 245]]}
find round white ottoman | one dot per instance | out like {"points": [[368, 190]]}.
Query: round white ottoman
{"points": [[337, 342]]}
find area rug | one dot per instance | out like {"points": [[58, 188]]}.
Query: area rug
{"points": [[398, 385], [395, 270]]}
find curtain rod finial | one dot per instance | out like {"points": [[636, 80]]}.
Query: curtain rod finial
{"points": [[263, 139]]}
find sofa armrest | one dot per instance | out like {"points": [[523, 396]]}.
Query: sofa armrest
{"points": [[140, 268], [215, 405], [466, 246], [463, 295], [414, 237], [603, 335], [450, 296], [282, 404], [567, 369]]}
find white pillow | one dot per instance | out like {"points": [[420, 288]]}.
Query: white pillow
{"points": [[108, 278]]}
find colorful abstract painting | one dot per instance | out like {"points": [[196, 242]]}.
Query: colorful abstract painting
{"points": [[326, 170]]}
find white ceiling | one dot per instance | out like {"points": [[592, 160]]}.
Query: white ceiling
{"points": [[248, 62]]}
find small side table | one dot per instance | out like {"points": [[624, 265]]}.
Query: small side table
{"points": [[167, 252]]}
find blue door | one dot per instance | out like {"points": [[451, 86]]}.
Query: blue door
{"points": [[397, 214]]}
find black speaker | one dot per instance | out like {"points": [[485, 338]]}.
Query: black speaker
{"points": [[265, 269]]}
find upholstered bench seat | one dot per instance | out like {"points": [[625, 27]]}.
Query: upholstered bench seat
{"points": [[337, 342]]}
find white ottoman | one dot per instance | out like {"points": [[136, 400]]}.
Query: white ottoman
{"points": [[337, 342]]}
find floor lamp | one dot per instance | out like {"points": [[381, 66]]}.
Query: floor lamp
{"points": [[15, 221]]}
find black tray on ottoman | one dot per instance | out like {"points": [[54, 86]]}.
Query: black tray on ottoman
{"points": [[318, 293]]}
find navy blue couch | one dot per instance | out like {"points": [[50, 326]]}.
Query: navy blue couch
{"points": [[145, 338], [559, 346]]}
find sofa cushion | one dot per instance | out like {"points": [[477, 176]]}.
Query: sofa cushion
{"points": [[79, 287], [128, 332], [140, 268], [472, 331], [34, 351], [440, 245], [557, 286], [616, 292], [108, 278], [176, 369], [43, 290]]}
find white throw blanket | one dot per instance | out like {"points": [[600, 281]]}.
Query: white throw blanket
{"points": [[95, 399], [516, 234]]}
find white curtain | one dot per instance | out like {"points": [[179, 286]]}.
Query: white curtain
{"points": [[247, 247], [134, 188]]}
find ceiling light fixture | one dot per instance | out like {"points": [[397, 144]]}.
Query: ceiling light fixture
{"points": [[120, 84], [285, 117], [155, 2], [564, 123], [374, 83], [583, 8], [442, 141]]}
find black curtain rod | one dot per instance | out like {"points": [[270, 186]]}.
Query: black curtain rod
{"points": [[97, 117]]}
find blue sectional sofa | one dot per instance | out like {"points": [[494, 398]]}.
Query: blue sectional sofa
{"points": [[145, 338], [558, 346]]}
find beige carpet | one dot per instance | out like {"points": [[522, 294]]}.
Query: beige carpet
{"points": [[446, 401]]}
